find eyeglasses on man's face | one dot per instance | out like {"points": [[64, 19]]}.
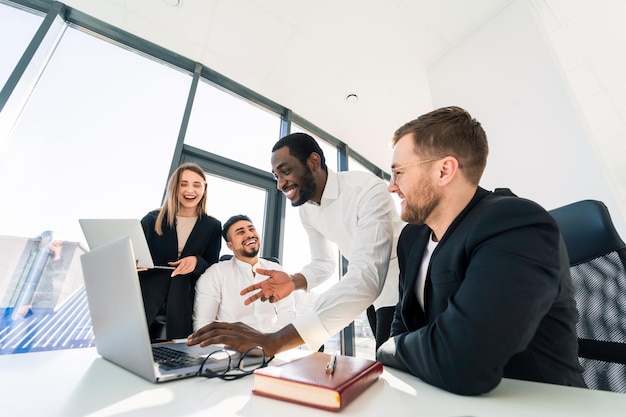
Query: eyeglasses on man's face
{"points": [[396, 172], [237, 367]]}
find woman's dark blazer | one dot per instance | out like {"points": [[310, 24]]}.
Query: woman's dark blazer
{"points": [[177, 293]]}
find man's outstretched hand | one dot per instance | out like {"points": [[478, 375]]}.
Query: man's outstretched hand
{"points": [[273, 289], [241, 337], [237, 336]]}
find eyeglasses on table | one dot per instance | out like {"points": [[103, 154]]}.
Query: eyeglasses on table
{"points": [[237, 367]]}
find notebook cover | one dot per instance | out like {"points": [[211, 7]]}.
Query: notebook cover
{"points": [[296, 381]]}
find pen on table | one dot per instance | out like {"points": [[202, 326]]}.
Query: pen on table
{"points": [[330, 366]]}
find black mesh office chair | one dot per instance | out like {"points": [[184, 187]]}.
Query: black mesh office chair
{"points": [[597, 259], [228, 256]]}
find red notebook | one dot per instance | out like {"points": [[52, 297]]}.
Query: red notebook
{"points": [[305, 380]]}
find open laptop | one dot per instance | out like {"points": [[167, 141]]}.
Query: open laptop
{"points": [[101, 231], [119, 322]]}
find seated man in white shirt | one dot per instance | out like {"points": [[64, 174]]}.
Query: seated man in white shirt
{"points": [[218, 289]]}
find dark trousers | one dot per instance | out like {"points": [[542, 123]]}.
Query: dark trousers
{"points": [[380, 323], [176, 294]]}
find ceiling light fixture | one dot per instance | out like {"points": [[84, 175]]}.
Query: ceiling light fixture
{"points": [[352, 98]]}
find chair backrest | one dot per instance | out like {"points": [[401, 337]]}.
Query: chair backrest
{"points": [[597, 260], [228, 256]]}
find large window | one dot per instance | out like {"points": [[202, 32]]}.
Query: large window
{"points": [[98, 135], [16, 31], [231, 127], [95, 139], [227, 198]]}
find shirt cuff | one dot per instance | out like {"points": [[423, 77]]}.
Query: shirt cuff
{"points": [[311, 330]]}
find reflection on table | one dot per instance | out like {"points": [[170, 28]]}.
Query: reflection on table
{"points": [[77, 382]]}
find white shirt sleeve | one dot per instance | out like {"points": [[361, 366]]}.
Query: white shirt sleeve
{"points": [[371, 238], [323, 255], [208, 297], [285, 310]]}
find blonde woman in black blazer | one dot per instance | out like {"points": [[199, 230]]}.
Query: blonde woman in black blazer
{"points": [[180, 234]]}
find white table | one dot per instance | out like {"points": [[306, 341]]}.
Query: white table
{"points": [[77, 382]]}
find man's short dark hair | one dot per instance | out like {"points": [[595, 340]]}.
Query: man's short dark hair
{"points": [[230, 222], [301, 146], [449, 131]]}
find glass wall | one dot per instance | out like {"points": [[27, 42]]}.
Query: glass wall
{"points": [[99, 135], [232, 127], [16, 31], [95, 139], [241, 199]]}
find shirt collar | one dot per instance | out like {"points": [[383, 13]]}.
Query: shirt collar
{"points": [[245, 265], [331, 189]]}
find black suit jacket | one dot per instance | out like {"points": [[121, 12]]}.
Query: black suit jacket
{"points": [[498, 300], [178, 293]]}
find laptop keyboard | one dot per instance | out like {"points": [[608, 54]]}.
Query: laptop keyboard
{"points": [[168, 358]]}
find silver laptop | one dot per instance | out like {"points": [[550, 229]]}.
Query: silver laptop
{"points": [[101, 231], [119, 322]]}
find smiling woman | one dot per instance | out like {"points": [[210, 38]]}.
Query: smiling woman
{"points": [[182, 235]]}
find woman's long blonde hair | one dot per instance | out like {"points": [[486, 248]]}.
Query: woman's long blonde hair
{"points": [[171, 204]]}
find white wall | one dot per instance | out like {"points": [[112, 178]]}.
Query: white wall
{"points": [[506, 76]]}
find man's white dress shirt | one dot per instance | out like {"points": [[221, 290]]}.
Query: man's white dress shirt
{"points": [[218, 299], [358, 214]]}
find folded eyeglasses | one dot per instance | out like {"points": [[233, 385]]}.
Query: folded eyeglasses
{"points": [[237, 367]]}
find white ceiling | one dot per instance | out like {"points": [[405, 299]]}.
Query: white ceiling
{"points": [[309, 55]]}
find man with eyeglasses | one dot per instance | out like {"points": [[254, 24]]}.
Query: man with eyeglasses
{"points": [[351, 209], [485, 288]]}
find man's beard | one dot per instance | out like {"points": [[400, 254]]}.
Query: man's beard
{"points": [[306, 189], [418, 213], [249, 253]]}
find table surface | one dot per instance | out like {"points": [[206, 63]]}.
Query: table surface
{"points": [[78, 382]]}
